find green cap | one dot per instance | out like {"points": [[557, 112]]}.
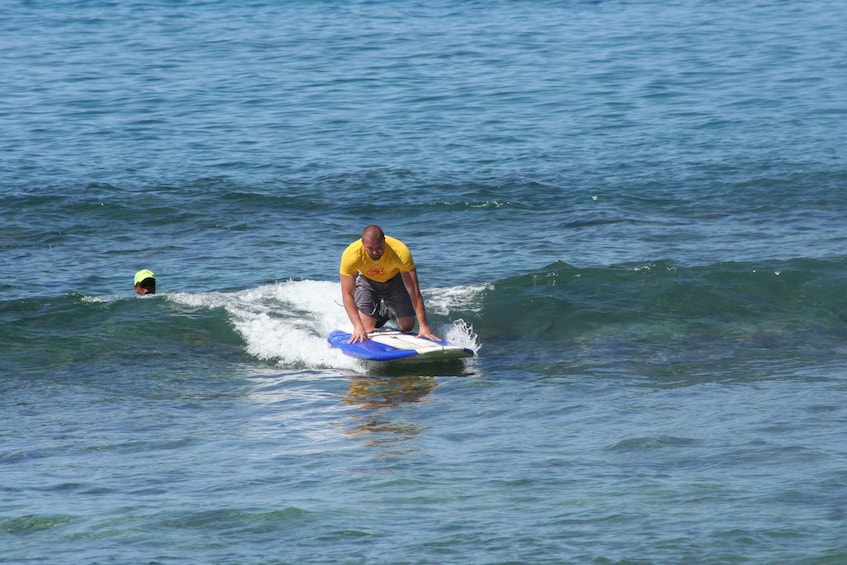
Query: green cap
{"points": [[144, 274]]}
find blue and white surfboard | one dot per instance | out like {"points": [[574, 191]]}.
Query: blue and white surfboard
{"points": [[396, 345]]}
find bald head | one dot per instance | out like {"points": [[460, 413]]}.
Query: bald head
{"points": [[373, 240], [373, 232]]}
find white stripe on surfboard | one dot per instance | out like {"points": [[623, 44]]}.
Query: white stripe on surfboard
{"points": [[403, 341]]}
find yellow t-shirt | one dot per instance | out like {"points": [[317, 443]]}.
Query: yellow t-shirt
{"points": [[395, 259]]}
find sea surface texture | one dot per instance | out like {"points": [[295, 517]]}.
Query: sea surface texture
{"points": [[635, 213]]}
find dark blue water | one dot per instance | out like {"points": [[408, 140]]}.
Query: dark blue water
{"points": [[633, 212]]}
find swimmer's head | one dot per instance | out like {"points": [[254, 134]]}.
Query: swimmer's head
{"points": [[145, 282]]}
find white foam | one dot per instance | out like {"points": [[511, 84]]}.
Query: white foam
{"points": [[285, 322], [98, 299], [443, 300], [461, 333]]}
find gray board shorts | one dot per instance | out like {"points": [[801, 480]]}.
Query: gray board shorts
{"points": [[393, 292]]}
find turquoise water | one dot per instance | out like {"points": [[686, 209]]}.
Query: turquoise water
{"points": [[632, 212]]}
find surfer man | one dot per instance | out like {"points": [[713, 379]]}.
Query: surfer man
{"points": [[381, 267]]}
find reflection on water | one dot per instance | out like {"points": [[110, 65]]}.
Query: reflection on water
{"points": [[380, 421], [385, 392]]}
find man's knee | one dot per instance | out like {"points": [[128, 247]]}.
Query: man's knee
{"points": [[406, 324]]}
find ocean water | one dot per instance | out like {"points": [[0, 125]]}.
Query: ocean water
{"points": [[634, 213]]}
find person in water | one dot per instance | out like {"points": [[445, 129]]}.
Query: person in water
{"points": [[145, 282], [380, 268]]}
